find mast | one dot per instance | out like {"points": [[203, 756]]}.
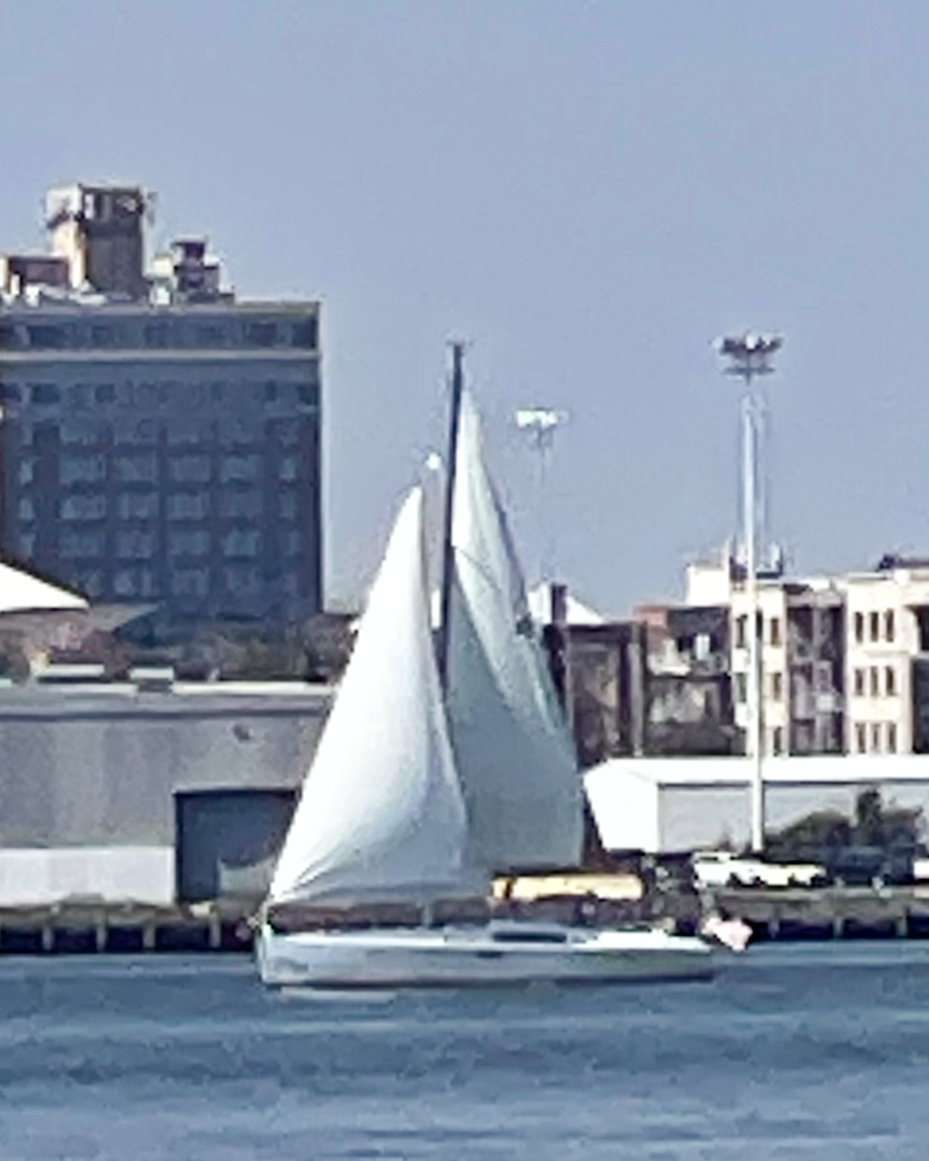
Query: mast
{"points": [[448, 559]]}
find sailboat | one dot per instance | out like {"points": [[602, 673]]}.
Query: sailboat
{"points": [[444, 761]]}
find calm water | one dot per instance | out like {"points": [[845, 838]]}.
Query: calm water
{"points": [[794, 1052]]}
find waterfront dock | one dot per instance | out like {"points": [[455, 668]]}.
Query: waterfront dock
{"points": [[827, 912], [88, 927]]}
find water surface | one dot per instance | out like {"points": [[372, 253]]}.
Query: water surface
{"points": [[794, 1051]]}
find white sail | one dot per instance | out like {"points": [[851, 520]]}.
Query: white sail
{"points": [[381, 816], [514, 757]]}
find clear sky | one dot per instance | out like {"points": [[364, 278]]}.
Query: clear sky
{"points": [[587, 192]]}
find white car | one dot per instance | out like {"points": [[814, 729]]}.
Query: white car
{"points": [[725, 869]]}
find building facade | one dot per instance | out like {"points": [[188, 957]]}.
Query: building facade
{"points": [[843, 658], [160, 439], [888, 612]]}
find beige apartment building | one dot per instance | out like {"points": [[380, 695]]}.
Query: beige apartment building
{"points": [[801, 627], [886, 619], [844, 659]]}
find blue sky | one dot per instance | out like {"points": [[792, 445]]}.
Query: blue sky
{"points": [[589, 193]]}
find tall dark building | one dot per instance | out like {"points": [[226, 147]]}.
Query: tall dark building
{"points": [[158, 445]]}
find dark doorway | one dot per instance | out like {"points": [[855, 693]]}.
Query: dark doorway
{"points": [[227, 841]]}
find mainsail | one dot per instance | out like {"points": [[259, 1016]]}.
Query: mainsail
{"points": [[513, 754], [381, 816]]}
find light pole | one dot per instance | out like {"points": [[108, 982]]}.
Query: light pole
{"points": [[540, 424], [748, 356]]}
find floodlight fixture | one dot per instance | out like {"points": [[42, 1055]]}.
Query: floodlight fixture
{"points": [[749, 354]]}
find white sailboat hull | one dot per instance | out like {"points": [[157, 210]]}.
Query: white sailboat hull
{"points": [[477, 956]]}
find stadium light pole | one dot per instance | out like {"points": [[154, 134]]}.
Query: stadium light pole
{"points": [[747, 357], [540, 425]]}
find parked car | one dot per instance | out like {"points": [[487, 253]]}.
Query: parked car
{"points": [[863, 866], [726, 869]]}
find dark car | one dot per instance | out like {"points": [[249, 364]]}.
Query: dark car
{"points": [[870, 866]]}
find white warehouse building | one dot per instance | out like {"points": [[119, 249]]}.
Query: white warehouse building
{"points": [[672, 805]]}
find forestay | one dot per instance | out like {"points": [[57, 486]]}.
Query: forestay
{"points": [[514, 757], [381, 816]]}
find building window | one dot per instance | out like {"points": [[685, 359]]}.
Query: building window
{"points": [[105, 393], [183, 432], [242, 580], [188, 505], [889, 627], [775, 631], [777, 740], [189, 542], [241, 542], [891, 737], [81, 434], [777, 686], [79, 395], [890, 681], [287, 505], [157, 335], [143, 432], [134, 544], [134, 582], [261, 334], [240, 504], [287, 468], [859, 627], [875, 737], [43, 394], [289, 434], [48, 336], [875, 685], [90, 583], [190, 469], [81, 469], [859, 683], [244, 468], [740, 687], [26, 471], [741, 626], [190, 582], [307, 394], [861, 738], [874, 621], [304, 333], [25, 509], [141, 469], [88, 507], [78, 544], [293, 542], [138, 505]]}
